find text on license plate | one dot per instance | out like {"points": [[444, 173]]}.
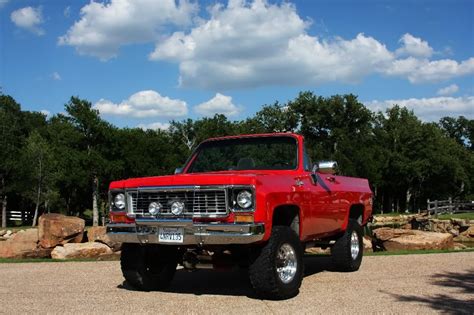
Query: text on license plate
{"points": [[171, 235]]}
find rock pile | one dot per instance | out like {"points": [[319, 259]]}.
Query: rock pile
{"points": [[57, 236], [82, 250], [403, 239], [57, 229]]}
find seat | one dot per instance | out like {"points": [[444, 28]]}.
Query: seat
{"points": [[246, 164]]}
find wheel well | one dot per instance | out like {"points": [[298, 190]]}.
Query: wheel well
{"points": [[287, 215], [356, 212]]}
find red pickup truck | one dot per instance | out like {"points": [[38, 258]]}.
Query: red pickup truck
{"points": [[255, 201]]}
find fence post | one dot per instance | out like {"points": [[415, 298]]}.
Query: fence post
{"points": [[436, 209], [450, 205], [428, 205]]}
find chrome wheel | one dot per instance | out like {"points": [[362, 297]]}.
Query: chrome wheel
{"points": [[286, 263], [355, 246]]}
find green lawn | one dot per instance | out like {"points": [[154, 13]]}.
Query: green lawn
{"points": [[408, 252], [390, 214], [426, 251], [467, 215], [38, 260], [446, 216]]}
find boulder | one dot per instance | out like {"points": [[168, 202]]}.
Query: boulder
{"points": [[367, 244], [57, 229], [99, 234], [22, 244], [463, 238], [459, 246], [318, 251], [399, 239], [469, 232], [83, 250], [3, 232]]}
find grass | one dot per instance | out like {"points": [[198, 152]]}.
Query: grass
{"points": [[394, 253], [390, 214], [40, 260], [407, 252], [447, 216], [421, 251]]}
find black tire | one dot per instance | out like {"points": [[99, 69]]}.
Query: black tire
{"points": [[263, 270], [342, 257], [148, 267]]}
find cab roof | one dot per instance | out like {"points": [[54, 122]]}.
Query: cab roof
{"points": [[256, 135]]}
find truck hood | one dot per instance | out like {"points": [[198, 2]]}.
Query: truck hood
{"points": [[202, 179]]}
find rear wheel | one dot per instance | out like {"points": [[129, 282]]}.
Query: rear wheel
{"points": [[150, 267], [277, 271], [347, 252]]}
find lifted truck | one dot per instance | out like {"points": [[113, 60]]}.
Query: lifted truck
{"points": [[254, 200]]}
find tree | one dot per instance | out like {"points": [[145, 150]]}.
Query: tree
{"points": [[11, 138], [92, 129], [38, 163], [460, 129]]}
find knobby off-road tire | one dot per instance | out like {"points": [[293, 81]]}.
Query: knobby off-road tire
{"points": [[277, 271], [348, 250], [148, 267]]}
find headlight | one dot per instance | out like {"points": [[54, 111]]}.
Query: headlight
{"points": [[119, 201], [177, 207], [244, 199], [154, 208]]}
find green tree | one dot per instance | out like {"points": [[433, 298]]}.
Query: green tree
{"points": [[11, 138], [460, 129], [38, 164], [92, 129]]}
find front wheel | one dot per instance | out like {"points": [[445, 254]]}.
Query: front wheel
{"points": [[148, 267], [347, 252], [277, 271]]}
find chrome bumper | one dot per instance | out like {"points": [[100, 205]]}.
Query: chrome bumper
{"points": [[146, 231]]}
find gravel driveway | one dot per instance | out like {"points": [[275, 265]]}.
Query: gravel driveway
{"points": [[431, 283]]}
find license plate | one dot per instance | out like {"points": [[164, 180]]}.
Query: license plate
{"points": [[171, 235]]}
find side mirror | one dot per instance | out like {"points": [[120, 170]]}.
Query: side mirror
{"points": [[178, 170], [326, 167]]}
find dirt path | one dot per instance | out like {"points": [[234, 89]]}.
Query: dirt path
{"points": [[385, 284]]}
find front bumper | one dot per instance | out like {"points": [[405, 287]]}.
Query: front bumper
{"points": [[146, 231]]}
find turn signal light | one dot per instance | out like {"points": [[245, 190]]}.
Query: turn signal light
{"points": [[243, 218], [120, 218]]}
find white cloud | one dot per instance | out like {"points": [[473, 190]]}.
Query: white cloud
{"points": [[29, 18], [219, 104], [414, 46], [251, 44], [450, 89], [431, 109], [104, 27], [56, 76], [154, 126], [424, 70], [142, 104]]}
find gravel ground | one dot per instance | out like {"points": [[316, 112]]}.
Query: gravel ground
{"points": [[432, 283]]}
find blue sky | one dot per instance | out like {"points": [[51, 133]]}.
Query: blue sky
{"points": [[145, 62]]}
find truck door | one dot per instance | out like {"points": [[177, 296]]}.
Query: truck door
{"points": [[325, 203]]}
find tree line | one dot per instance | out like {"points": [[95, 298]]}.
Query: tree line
{"points": [[64, 163]]}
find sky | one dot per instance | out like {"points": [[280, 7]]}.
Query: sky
{"points": [[142, 63]]}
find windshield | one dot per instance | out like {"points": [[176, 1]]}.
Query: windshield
{"points": [[259, 153]]}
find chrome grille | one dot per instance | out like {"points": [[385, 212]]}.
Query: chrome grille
{"points": [[197, 202]]}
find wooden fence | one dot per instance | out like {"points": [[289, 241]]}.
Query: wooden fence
{"points": [[25, 217], [449, 206]]}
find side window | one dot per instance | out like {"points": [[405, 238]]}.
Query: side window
{"points": [[306, 160]]}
